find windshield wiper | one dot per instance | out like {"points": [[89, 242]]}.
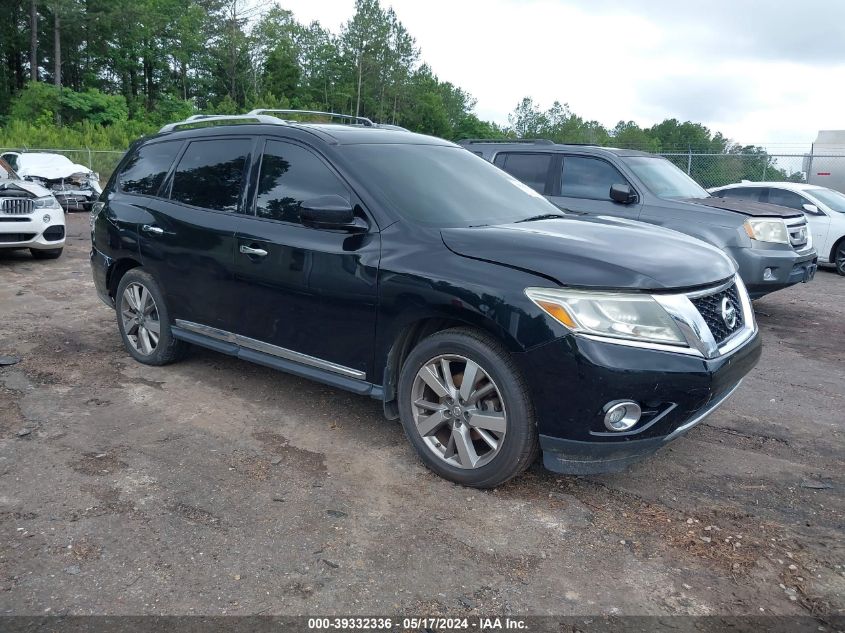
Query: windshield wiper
{"points": [[544, 216]]}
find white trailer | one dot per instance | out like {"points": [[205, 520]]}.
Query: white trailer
{"points": [[825, 164]]}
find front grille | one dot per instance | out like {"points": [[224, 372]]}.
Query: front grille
{"points": [[16, 237], [16, 206], [798, 234], [711, 308]]}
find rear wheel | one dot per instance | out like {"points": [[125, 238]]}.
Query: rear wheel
{"points": [[466, 409], [839, 258], [143, 320], [50, 253]]}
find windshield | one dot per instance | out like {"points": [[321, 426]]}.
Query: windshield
{"points": [[663, 179], [445, 186], [833, 199]]}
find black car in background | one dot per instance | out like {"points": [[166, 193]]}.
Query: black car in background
{"points": [[770, 245], [405, 268]]}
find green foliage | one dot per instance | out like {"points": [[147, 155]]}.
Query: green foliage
{"points": [[130, 67], [37, 103]]}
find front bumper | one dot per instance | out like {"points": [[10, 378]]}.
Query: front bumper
{"points": [[785, 268], [30, 231], [76, 200], [573, 378]]}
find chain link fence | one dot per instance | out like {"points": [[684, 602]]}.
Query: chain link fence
{"points": [[715, 170], [709, 170]]}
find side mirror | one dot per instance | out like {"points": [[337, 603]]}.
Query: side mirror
{"points": [[328, 212], [811, 208], [622, 194]]}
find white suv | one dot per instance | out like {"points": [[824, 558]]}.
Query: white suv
{"points": [[824, 208], [30, 216]]}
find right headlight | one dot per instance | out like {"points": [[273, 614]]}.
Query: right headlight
{"points": [[46, 202], [632, 317], [767, 230]]}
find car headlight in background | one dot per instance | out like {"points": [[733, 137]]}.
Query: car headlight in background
{"points": [[767, 230], [46, 202], [626, 316]]}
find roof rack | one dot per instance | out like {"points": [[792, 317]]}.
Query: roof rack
{"points": [[221, 118], [359, 120], [533, 141]]}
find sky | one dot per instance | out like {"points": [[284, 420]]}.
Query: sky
{"points": [[766, 72]]}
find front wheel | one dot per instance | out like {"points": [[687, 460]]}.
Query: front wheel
{"points": [[466, 409], [839, 258], [143, 320]]}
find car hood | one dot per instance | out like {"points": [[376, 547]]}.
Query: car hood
{"points": [[596, 252], [746, 207], [50, 170], [30, 187]]}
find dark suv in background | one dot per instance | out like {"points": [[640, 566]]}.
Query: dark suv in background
{"points": [[770, 245], [405, 268]]}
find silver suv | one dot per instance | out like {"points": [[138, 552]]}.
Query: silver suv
{"points": [[771, 245]]}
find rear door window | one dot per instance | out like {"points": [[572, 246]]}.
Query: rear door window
{"points": [[144, 172], [591, 178], [210, 174], [289, 175], [532, 169]]}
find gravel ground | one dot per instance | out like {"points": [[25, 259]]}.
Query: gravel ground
{"points": [[214, 486]]}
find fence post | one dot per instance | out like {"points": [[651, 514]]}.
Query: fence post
{"points": [[689, 159], [90, 162]]}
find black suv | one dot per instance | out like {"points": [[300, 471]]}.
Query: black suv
{"points": [[405, 268], [770, 245]]}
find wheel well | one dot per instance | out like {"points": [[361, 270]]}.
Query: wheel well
{"points": [[402, 346], [832, 258], [116, 272]]}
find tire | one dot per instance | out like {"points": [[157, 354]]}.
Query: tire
{"points": [[839, 257], [137, 327], [505, 406], [50, 253]]}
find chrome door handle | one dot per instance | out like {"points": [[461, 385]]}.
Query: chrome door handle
{"points": [[155, 230], [248, 250]]}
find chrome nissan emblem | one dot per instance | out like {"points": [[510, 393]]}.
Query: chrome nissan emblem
{"points": [[728, 313]]}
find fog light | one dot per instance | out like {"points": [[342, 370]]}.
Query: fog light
{"points": [[46, 218], [768, 275], [621, 415]]}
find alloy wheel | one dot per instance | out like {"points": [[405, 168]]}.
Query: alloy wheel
{"points": [[840, 259], [458, 411], [139, 314]]}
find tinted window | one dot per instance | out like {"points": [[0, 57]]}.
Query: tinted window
{"points": [[744, 193], [588, 178], [787, 199], [210, 174], [443, 186], [532, 169], [289, 175], [146, 169]]}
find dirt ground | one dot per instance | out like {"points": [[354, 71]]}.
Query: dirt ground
{"points": [[214, 486]]}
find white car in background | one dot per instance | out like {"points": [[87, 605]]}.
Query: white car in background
{"points": [[30, 216], [75, 186], [823, 207]]}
